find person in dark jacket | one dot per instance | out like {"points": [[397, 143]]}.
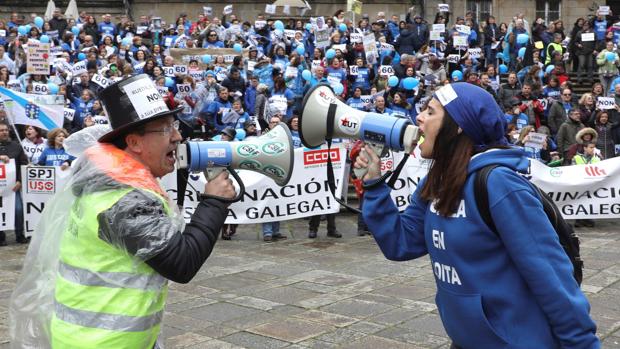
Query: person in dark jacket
{"points": [[58, 22], [585, 43], [509, 90], [234, 82], [491, 36], [119, 224], [558, 112], [10, 149], [485, 278], [405, 43]]}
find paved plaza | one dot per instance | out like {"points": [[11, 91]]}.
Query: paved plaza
{"points": [[327, 293]]}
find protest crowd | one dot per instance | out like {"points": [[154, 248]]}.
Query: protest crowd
{"points": [[237, 77]]}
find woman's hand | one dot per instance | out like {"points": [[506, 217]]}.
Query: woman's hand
{"points": [[367, 159]]}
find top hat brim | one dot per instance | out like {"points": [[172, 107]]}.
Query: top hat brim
{"points": [[114, 134]]}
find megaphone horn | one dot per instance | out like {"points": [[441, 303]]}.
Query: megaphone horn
{"points": [[271, 154], [322, 113]]}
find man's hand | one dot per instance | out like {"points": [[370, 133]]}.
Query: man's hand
{"points": [[5, 159], [221, 186], [65, 165], [18, 186]]}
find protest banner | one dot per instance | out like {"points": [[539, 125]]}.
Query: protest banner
{"points": [[307, 193], [38, 58], [184, 55], [321, 37], [7, 198], [42, 111], [370, 47]]}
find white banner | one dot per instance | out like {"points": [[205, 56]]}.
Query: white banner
{"points": [[39, 184], [7, 200], [306, 194]]}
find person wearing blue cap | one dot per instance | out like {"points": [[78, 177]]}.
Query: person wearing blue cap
{"points": [[513, 288]]}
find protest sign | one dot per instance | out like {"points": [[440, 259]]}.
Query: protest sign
{"points": [[39, 88], [38, 58], [353, 70], [386, 70], [100, 80], [535, 140], [435, 35], [439, 27], [443, 7], [7, 195], [603, 10], [228, 9], [460, 41], [184, 55], [321, 37], [207, 11], [79, 68], [184, 89], [605, 103]]}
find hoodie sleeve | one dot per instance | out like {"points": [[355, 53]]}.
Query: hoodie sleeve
{"points": [[534, 247], [399, 235]]}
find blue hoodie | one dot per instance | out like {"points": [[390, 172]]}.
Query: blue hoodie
{"points": [[513, 292]]}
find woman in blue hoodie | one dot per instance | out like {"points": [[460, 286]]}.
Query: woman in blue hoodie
{"points": [[513, 288]]}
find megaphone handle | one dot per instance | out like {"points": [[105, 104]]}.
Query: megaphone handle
{"points": [[378, 149], [235, 176]]}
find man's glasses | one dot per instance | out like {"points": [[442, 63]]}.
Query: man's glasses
{"points": [[168, 129], [567, 94]]}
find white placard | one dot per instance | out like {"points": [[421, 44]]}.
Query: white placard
{"points": [[168, 71], [291, 72], [321, 37], [196, 75], [100, 80], [289, 33], [145, 98], [603, 10], [2, 33], [39, 88], [443, 7], [141, 29], [184, 89], [435, 35], [251, 65], [162, 90], [440, 27], [207, 11], [386, 70], [38, 58], [460, 41], [228, 9], [69, 114], [463, 29], [279, 102], [7, 202], [79, 68], [387, 47], [270, 9], [586, 37], [180, 69], [260, 24], [366, 99], [356, 38], [353, 70], [606, 103], [475, 52], [535, 140]]}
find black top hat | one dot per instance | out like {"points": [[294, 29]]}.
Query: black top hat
{"points": [[132, 102]]}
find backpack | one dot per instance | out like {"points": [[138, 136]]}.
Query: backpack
{"points": [[568, 238]]}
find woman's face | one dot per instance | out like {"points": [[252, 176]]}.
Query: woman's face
{"points": [[430, 121], [295, 124], [157, 71], [31, 133], [397, 98], [60, 138], [409, 71], [589, 100], [598, 89]]}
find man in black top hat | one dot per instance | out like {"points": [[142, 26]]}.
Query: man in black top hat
{"points": [[123, 238]]}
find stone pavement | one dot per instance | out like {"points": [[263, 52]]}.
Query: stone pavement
{"points": [[328, 293]]}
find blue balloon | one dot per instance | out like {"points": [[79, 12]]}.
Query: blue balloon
{"points": [[240, 134], [342, 27], [53, 88], [306, 75], [237, 47], [410, 83], [44, 39], [338, 89], [549, 69], [521, 53], [610, 56], [278, 25], [75, 30], [503, 69], [126, 41], [206, 59], [522, 39], [541, 74], [331, 53], [301, 50], [393, 81], [499, 55], [22, 30], [217, 138], [38, 21], [81, 56], [28, 27], [457, 75], [308, 26], [169, 82]]}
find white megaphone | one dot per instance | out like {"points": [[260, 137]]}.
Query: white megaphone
{"points": [[271, 154], [322, 113]]}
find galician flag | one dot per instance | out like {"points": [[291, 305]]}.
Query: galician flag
{"points": [[46, 112]]}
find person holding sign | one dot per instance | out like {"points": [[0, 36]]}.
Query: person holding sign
{"points": [[607, 61], [585, 43], [485, 278], [10, 149], [97, 277]]}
